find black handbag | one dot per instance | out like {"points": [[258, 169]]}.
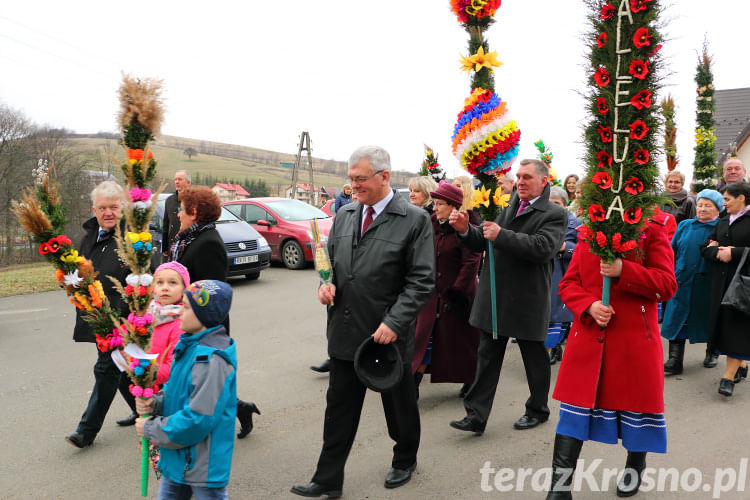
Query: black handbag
{"points": [[737, 295]]}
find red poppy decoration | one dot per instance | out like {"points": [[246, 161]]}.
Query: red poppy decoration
{"points": [[620, 247], [642, 38], [601, 76], [64, 240], [639, 69], [641, 100], [605, 133], [637, 5], [601, 105], [596, 213], [602, 40], [602, 179], [605, 159], [608, 11], [640, 156], [129, 290], [634, 186], [633, 215], [54, 245], [584, 231], [601, 239], [44, 248], [638, 130], [654, 51]]}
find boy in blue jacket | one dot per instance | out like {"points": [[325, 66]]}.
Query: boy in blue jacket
{"points": [[193, 415]]}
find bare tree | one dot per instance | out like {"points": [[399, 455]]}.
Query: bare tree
{"points": [[190, 152]]}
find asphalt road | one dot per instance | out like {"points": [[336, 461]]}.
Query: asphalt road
{"points": [[279, 328]]}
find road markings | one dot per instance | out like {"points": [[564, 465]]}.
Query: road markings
{"points": [[22, 311]]}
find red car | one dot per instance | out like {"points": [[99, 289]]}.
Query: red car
{"points": [[328, 207], [285, 224]]}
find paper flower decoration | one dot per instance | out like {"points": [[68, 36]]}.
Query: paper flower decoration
{"points": [[485, 138], [500, 199], [481, 197], [480, 60], [477, 9]]}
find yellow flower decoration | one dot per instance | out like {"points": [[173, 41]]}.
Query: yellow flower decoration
{"points": [[145, 236], [480, 60], [71, 257], [134, 237], [481, 197], [500, 199]]}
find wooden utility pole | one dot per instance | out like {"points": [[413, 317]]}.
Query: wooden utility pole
{"points": [[304, 145]]}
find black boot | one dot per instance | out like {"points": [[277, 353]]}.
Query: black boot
{"points": [[245, 412], [711, 359], [564, 458], [673, 366], [417, 380], [631, 478]]}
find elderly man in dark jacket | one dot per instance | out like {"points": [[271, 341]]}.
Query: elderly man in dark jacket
{"points": [[171, 222], [99, 246], [526, 236], [381, 251]]}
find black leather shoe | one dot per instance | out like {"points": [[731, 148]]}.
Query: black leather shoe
{"points": [[726, 387], [711, 360], [740, 374], [315, 490], [79, 440], [245, 412], [323, 367], [398, 477], [469, 424], [128, 421], [552, 356], [528, 422]]}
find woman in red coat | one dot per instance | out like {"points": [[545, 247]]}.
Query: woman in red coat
{"points": [[611, 380], [444, 342]]}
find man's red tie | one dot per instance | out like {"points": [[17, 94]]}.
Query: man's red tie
{"points": [[522, 207], [368, 219]]}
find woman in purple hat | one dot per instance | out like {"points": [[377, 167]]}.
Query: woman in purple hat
{"points": [[445, 344]]}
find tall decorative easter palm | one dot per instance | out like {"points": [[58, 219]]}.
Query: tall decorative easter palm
{"points": [[621, 188], [705, 170], [485, 137], [140, 117]]}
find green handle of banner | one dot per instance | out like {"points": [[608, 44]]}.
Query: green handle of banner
{"points": [[606, 284], [144, 464], [493, 297]]}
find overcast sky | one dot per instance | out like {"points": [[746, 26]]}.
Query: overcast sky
{"points": [[350, 72]]}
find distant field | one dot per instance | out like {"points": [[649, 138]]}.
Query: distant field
{"points": [[171, 160], [27, 278]]}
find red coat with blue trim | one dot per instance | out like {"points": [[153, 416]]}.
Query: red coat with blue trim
{"points": [[619, 367]]}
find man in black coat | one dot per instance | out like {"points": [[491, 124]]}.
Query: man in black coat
{"points": [[171, 223], [526, 236], [381, 251], [99, 246]]}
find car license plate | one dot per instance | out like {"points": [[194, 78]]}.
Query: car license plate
{"points": [[246, 259]]}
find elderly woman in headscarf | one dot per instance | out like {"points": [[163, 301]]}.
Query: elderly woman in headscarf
{"points": [[686, 314], [445, 344], [419, 191]]}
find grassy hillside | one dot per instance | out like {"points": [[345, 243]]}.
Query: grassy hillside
{"points": [[229, 161], [104, 153]]}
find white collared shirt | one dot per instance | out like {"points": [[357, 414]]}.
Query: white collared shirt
{"points": [[378, 207]]}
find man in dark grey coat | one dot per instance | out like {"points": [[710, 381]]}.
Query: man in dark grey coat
{"points": [[381, 251], [171, 223], [526, 235]]}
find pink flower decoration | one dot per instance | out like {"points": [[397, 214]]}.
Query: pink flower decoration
{"points": [[139, 194], [149, 318], [131, 318], [137, 391], [148, 393], [115, 341]]}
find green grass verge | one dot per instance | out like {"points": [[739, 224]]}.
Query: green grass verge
{"points": [[27, 278]]}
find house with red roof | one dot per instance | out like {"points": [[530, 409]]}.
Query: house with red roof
{"points": [[229, 192]]}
